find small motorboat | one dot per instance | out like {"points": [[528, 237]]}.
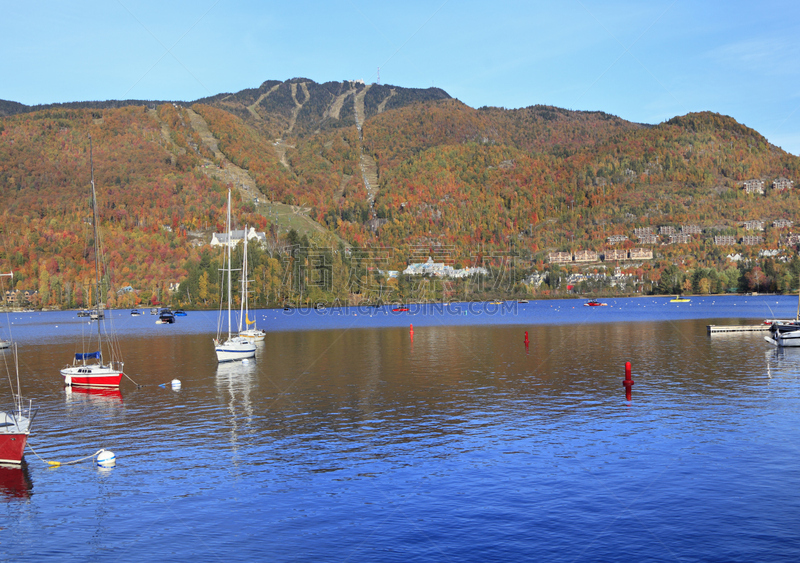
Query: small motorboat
{"points": [[400, 309], [134, 312], [180, 313], [594, 303], [679, 299], [166, 318]]}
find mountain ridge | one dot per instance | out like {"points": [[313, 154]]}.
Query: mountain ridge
{"points": [[376, 166]]}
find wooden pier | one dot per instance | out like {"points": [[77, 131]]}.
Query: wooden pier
{"points": [[713, 329]]}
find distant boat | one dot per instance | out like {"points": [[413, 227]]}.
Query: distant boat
{"points": [[134, 312], [522, 300], [679, 299], [83, 313], [4, 344], [180, 313], [166, 318], [154, 311], [95, 373], [594, 303], [251, 331], [400, 309]]}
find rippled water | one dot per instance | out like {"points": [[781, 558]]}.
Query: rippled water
{"points": [[350, 439]]}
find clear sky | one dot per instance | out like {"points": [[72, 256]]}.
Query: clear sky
{"points": [[644, 61]]}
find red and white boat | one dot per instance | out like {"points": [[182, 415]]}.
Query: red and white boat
{"points": [[93, 373], [87, 368], [594, 303], [15, 426]]}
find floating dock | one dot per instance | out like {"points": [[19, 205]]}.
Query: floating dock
{"points": [[713, 329]]}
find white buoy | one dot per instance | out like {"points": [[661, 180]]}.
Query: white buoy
{"points": [[106, 459], [176, 383], [245, 361]]}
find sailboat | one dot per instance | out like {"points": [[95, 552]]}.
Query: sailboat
{"points": [[251, 331], [786, 334], [234, 347], [87, 368], [15, 425]]}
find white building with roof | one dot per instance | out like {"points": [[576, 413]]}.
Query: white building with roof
{"points": [[220, 239], [441, 270]]}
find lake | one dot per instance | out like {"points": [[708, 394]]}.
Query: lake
{"points": [[354, 437]]}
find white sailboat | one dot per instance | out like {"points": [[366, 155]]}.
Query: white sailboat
{"points": [[786, 334], [87, 368], [251, 331], [234, 347]]}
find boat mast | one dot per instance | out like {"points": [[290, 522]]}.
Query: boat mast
{"points": [[229, 263], [96, 249], [243, 311]]}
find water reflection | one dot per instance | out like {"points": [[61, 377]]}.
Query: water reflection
{"points": [[234, 382], [92, 395], [15, 481]]}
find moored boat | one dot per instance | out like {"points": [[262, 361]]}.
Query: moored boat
{"points": [[594, 303], [166, 318], [233, 347], [251, 331], [785, 333], [88, 368], [15, 426]]}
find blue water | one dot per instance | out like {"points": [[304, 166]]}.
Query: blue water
{"points": [[350, 438]]}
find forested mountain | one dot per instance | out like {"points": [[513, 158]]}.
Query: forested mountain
{"points": [[325, 168]]}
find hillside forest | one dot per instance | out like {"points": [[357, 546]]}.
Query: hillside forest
{"points": [[351, 182]]}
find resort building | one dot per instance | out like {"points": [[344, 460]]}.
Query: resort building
{"points": [[220, 239], [754, 225], [586, 256], [559, 257], [615, 254], [752, 240], [754, 186], [780, 184], [641, 254], [441, 270]]}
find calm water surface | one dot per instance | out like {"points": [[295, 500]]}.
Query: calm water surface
{"points": [[351, 439]]}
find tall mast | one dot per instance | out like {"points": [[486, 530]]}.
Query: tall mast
{"points": [[243, 311], [230, 266], [96, 246]]}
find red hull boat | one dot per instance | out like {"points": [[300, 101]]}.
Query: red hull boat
{"points": [[15, 426]]}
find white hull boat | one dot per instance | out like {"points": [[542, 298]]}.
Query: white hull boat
{"points": [[233, 347]]}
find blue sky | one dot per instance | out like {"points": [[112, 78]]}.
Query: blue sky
{"points": [[642, 61]]}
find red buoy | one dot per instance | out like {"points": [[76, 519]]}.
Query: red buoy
{"points": [[628, 383], [526, 337]]}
